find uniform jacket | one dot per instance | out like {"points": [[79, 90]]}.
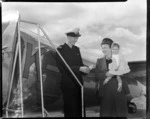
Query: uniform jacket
{"points": [[73, 58]]}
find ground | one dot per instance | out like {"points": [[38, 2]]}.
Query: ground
{"points": [[90, 112]]}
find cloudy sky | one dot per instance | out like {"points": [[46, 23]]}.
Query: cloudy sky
{"points": [[124, 22]]}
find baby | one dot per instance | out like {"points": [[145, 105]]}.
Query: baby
{"points": [[118, 66]]}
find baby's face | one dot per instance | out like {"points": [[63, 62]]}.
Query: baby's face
{"points": [[115, 50]]}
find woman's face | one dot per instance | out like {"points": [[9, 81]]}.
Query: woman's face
{"points": [[106, 49], [115, 50]]}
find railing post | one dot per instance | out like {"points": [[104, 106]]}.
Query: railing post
{"points": [[20, 68], [11, 80], [39, 47]]}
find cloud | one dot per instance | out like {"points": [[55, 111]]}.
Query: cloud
{"points": [[122, 32], [91, 54], [124, 22], [90, 41]]}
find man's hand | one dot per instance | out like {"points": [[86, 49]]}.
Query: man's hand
{"points": [[85, 69], [91, 67]]}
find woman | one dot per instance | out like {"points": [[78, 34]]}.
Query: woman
{"points": [[112, 102]]}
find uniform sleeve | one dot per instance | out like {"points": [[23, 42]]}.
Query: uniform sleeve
{"points": [[60, 64], [99, 73], [62, 67], [76, 69], [81, 62]]}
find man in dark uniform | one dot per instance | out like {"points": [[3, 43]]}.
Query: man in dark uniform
{"points": [[70, 88]]}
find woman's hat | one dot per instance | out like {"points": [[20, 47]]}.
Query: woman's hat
{"points": [[73, 32], [107, 41]]}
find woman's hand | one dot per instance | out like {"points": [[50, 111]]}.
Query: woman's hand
{"points": [[119, 84], [105, 81], [119, 87], [91, 67], [85, 69]]}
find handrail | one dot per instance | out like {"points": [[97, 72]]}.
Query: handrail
{"points": [[42, 100], [68, 68], [20, 69], [13, 69]]}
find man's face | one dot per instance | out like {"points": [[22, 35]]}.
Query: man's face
{"points": [[106, 49], [73, 40]]}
